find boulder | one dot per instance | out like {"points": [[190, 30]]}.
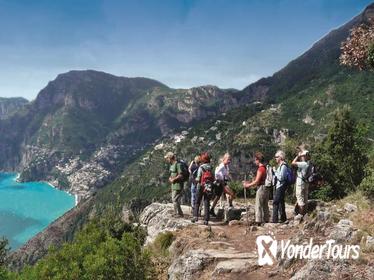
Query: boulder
{"points": [[350, 207], [343, 231]]}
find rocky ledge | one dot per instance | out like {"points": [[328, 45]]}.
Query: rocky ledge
{"points": [[229, 251]]}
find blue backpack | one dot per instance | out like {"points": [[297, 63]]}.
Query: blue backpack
{"points": [[290, 175]]}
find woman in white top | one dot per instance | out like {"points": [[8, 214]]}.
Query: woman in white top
{"points": [[302, 162], [222, 176]]}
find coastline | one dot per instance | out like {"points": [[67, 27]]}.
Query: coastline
{"points": [[18, 175], [53, 186]]}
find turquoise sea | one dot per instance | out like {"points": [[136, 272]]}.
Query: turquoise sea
{"points": [[27, 208]]}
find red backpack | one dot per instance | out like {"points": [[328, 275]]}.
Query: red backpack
{"points": [[207, 180]]}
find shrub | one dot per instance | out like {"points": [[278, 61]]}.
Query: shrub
{"points": [[97, 252], [163, 242], [342, 156], [367, 185]]}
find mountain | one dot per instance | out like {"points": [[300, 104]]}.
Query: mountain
{"points": [[313, 85], [10, 105], [295, 104], [85, 125]]}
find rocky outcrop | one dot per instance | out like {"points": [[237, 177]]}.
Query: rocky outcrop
{"points": [[228, 251], [158, 218]]}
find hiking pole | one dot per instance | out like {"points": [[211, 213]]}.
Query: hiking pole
{"points": [[246, 206]]}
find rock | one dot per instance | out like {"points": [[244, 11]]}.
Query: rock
{"points": [[159, 146], [323, 216], [342, 231], [253, 228], [369, 243], [234, 266], [221, 234], [333, 269], [314, 270], [158, 217], [233, 214], [234, 223], [126, 216], [350, 207], [189, 265]]}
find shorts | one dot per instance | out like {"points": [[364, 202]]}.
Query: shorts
{"points": [[218, 190]]}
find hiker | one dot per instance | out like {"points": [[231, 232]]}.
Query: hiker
{"points": [[176, 181], [222, 176], [205, 181], [262, 193], [279, 207], [302, 162], [193, 168]]}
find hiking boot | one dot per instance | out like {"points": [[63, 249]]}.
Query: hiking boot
{"points": [[194, 220], [177, 215], [298, 217], [206, 223], [211, 213]]}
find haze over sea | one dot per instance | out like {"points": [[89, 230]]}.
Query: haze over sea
{"points": [[27, 208]]}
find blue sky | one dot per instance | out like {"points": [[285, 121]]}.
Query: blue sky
{"points": [[182, 43]]}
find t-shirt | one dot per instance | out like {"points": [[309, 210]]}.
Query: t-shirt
{"points": [[302, 169], [176, 169], [222, 172], [262, 171]]}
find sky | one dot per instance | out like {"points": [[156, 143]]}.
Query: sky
{"points": [[182, 43]]}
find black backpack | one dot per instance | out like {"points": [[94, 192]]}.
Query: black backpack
{"points": [[185, 172], [312, 176]]}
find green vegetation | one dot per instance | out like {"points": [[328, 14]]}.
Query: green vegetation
{"points": [[342, 156], [104, 249], [367, 185]]}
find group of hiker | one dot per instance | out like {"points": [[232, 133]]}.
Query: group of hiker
{"points": [[208, 185]]}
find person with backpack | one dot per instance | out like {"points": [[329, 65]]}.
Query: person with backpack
{"points": [[283, 176], [178, 175], [262, 193], [222, 177], [193, 168], [205, 185], [304, 173]]}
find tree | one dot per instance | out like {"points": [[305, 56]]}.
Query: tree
{"points": [[4, 249], [358, 50], [342, 156]]}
